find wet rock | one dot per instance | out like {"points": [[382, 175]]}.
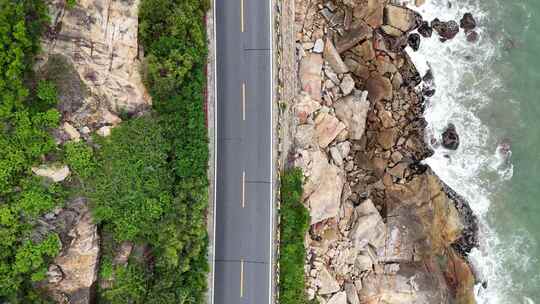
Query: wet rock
{"points": [[347, 84], [379, 88], [446, 30], [467, 22], [55, 172], [401, 18], [358, 33], [472, 36], [450, 137], [310, 75], [333, 58], [352, 110], [327, 128], [414, 41], [425, 30]]}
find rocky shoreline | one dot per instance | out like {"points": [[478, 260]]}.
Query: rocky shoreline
{"points": [[384, 227]]}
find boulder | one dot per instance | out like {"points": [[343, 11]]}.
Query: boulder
{"points": [[104, 131], [328, 283], [304, 107], [379, 88], [310, 75], [352, 110], [425, 29], [338, 298], [318, 47], [352, 294], [327, 128], [347, 84], [446, 30], [401, 18], [358, 33], [336, 156], [323, 185], [55, 172], [371, 13], [333, 58], [450, 138], [414, 41], [365, 50], [305, 137], [472, 36], [71, 131], [467, 22], [369, 227], [78, 260]]}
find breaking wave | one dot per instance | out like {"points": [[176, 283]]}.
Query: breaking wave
{"points": [[463, 79]]}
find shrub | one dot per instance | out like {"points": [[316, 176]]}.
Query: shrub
{"points": [[25, 119], [80, 159], [294, 225]]}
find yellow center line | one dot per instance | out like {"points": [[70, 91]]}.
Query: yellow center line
{"points": [[244, 101], [241, 278], [242, 15], [243, 189]]}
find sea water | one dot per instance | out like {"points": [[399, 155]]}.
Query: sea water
{"points": [[490, 90]]}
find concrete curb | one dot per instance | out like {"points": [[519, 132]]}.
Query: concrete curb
{"points": [[212, 124]]}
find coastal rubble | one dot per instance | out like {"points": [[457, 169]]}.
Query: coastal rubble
{"points": [[384, 227]]}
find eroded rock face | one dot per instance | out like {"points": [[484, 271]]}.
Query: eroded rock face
{"points": [[99, 39], [384, 228], [72, 274]]}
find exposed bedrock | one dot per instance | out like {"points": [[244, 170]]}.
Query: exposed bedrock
{"points": [[385, 228]]}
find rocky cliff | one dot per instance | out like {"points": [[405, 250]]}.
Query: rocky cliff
{"points": [[91, 54], [384, 228]]}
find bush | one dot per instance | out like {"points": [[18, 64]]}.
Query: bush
{"points": [[25, 119], [294, 225]]}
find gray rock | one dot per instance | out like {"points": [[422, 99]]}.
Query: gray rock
{"points": [[352, 294], [318, 47], [304, 138], [55, 172], [347, 84]]}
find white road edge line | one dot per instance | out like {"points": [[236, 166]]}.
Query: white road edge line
{"points": [[215, 155], [271, 46]]}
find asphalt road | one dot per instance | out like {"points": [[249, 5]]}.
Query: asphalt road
{"points": [[244, 204]]}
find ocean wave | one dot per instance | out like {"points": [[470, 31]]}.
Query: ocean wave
{"points": [[463, 80]]}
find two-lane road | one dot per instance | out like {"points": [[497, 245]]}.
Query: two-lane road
{"points": [[244, 202]]}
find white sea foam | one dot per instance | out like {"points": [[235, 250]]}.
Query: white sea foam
{"points": [[463, 81]]}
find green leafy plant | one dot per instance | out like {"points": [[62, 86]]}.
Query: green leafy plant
{"points": [[294, 225]]}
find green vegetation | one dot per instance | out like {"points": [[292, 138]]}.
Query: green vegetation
{"points": [[146, 183], [294, 225], [150, 185], [26, 116]]}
